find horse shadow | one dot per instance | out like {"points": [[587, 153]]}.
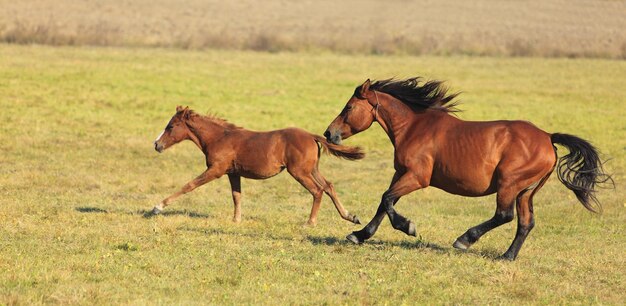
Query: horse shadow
{"points": [[174, 212], [407, 245], [214, 231], [146, 213], [419, 244], [88, 209]]}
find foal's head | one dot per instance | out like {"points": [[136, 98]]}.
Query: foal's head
{"points": [[357, 116], [176, 130]]}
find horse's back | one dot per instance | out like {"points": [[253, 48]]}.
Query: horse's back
{"points": [[261, 155], [473, 156]]}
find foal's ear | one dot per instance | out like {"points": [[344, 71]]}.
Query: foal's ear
{"points": [[186, 112], [365, 87]]}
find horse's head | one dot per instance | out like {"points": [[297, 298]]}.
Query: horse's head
{"points": [[357, 116], [175, 131]]}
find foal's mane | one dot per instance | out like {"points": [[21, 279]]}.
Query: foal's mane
{"points": [[213, 118], [432, 94]]}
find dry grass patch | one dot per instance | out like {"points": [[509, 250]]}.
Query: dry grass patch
{"points": [[552, 28]]}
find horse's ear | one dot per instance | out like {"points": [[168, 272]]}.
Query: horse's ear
{"points": [[186, 112], [365, 87], [179, 108]]}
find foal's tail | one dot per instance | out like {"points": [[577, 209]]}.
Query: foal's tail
{"points": [[349, 153], [581, 169]]}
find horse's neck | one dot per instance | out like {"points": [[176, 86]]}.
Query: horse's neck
{"points": [[397, 118], [394, 117], [205, 131]]}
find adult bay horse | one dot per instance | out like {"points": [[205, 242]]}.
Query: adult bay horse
{"points": [[432, 148], [238, 153]]}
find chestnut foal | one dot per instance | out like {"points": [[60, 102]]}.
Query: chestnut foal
{"points": [[238, 153]]}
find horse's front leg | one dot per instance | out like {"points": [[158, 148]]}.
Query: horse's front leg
{"points": [[207, 176], [402, 184]]}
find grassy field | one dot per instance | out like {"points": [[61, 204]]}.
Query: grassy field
{"points": [[78, 170], [547, 28]]}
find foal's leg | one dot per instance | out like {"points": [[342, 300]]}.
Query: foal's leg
{"points": [[401, 185], [315, 189], [504, 214], [207, 176], [330, 191], [235, 186]]}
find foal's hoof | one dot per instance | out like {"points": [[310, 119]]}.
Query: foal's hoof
{"points": [[155, 211], [460, 245], [356, 220], [412, 231], [354, 239]]}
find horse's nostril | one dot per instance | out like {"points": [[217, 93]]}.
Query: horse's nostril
{"points": [[327, 134]]}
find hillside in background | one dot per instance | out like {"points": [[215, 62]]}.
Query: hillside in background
{"points": [[552, 28]]}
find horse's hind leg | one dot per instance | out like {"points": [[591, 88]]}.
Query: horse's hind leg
{"points": [[330, 191], [525, 223], [525, 219], [504, 214], [307, 181], [235, 186]]}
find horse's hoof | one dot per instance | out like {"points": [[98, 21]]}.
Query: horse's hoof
{"points": [[460, 245], [354, 239], [356, 220], [412, 229], [155, 211], [506, 257]]}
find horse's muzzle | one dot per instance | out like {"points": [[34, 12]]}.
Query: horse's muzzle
{"points": [[333, 137], [158, 147]]}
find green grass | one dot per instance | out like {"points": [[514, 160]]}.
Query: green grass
{"points": [[78, 170]]}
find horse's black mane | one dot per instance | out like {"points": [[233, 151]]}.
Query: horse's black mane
{"points": [[432, 94]]}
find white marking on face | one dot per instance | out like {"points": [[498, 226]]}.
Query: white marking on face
{"points": [[159, 137]]}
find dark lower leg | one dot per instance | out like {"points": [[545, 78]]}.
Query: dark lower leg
{"points": [[520, 237], [525, 223], [370, 229], [398, 221], [401, 184], [473, 234]]}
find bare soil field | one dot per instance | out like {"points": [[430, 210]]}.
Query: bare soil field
{"points": [[552, 28]]}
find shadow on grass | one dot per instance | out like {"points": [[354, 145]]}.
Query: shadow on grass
{"points": [[408, 245], [215, 231], [184, 212], [145, 213], [87, 209], [419, 244]]}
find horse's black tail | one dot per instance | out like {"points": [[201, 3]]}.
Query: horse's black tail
{"points": [[349, 153], [581, 169]]}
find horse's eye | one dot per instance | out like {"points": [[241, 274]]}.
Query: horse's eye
{"points": [[349, 107], [169, 127]]}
